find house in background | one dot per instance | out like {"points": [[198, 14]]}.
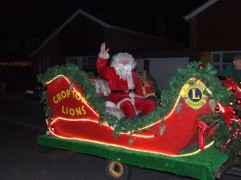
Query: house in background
{"points": [[78, 41], [15, 63], [214, 37], [55, 37], [215, 32]]}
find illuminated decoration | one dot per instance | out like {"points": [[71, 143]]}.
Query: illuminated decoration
{"points": [[228, 132], [201, 66], [74, 118], [160, 103], [217, 109], [128, 147], [235, 111], [164, 131], [231, 84], [15, 63], [238, 101]]}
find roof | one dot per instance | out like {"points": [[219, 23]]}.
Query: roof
{"points": [[91, 17], [199, 9], [74, 15]]}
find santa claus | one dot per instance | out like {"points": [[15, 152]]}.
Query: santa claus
{"points": [[125, 85]]}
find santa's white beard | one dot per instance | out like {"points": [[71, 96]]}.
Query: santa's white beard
{"points": [[124, 71]]}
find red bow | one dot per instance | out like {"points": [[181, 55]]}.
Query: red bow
{"points": [[229, 115], [201, 134]]}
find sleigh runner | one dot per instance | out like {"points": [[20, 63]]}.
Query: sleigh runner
{"points": [[76, 114]]}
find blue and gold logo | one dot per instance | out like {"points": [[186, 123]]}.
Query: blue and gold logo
{"points": [[193, 94]]}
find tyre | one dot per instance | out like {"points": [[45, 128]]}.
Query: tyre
{"points": [[117, 171]]}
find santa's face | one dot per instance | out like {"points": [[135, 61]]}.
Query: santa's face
{"points": [[123, 64], [124, 61], [123, 69]]}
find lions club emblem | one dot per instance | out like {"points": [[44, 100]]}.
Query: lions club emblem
{"points": [[193, 94]]}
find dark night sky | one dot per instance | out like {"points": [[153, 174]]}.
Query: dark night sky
{"points": [[31, 15]]}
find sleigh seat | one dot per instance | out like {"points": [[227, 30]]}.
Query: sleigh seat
{"points": [[103, 90]]}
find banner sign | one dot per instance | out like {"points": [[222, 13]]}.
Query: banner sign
{"points": [[66, 100]]}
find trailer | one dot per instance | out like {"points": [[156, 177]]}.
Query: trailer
{"points": [[181, 136]]}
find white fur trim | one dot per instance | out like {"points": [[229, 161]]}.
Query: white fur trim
{"points": [[106, 56], [127, 99], [130, 82], [110, 104], [133, 95]]}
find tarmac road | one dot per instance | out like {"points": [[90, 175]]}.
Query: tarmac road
{"points": [[22, 159], [21, 121]]}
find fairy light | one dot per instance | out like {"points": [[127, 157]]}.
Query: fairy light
{"points": [[16, 63], [221, 107], [56, 77], [239, 89], [133, 134], [73, 120], [236, 120], [145, 127], [129, 148], [54, 120], [159, 119], [175, 105]]}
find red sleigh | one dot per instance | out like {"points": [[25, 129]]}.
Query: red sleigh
{"points": [[75, 118], [178, 133]]}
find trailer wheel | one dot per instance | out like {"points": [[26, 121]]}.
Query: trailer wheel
{"points": [[117, 170]]}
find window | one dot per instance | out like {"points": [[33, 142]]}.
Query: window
{"points": [[32, 43], [223, 58], [216, 57], [13, 45], [85, 63], [89, 64]]}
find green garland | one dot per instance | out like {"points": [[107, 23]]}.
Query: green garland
{"points": [[207, 74], [228, 139]]}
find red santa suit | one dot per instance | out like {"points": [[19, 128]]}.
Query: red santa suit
{"points": [[126, 95]]}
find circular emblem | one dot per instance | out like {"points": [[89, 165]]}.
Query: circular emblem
{"points": [[193, 95]]}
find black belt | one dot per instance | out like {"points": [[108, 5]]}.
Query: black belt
{"points": [[123, 91]]}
